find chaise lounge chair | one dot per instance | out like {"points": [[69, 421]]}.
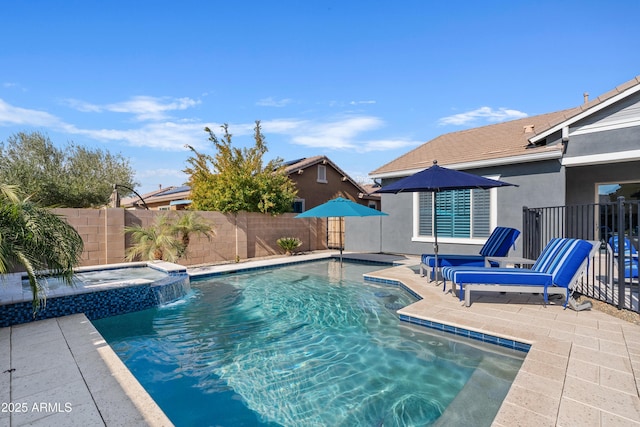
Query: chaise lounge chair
{"points": [[497, 245], [630, 257], [556, 271]]}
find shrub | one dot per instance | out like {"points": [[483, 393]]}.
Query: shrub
{"points": [[289, 244]]}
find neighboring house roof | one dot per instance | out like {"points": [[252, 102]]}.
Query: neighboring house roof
{"points": [[304, 163], [508, 142], [369, 190], [167, 194]]}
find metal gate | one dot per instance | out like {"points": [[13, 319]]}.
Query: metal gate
{"points": [[616, 225], [335, 233]]}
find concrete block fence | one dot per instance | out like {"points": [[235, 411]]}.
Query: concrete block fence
{"points": [[245, 235]]}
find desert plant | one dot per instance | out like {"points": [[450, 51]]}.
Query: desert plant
{"points": [[159, 241], [191, 223], [38, 240], [166, 239], [289, 244]]}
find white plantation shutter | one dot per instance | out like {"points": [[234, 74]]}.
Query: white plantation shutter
{"points": [[460, 213], [481, 213]]}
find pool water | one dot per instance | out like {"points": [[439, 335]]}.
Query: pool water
{"points": [[306, 345]]}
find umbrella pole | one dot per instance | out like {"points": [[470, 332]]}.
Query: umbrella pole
{"points": [[340, 234], [435, 233]]}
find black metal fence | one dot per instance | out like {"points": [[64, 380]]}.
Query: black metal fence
{"points": [[611, 278]]}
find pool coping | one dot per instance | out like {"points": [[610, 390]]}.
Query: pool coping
{"points": [[83, 378]]}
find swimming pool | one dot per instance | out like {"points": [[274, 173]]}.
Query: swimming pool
{"points": [[306, 345]]}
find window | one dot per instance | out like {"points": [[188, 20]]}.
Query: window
{"points": [[298, 206], [322, 174], [461, 214], [609, 193]]}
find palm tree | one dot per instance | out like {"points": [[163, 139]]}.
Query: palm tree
{"points": [[156, 242], [36, 239], [190, 223], [164, 239]]}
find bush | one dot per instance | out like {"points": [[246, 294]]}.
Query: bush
{"points": [[289, 244]]}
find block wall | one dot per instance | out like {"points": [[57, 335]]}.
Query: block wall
{"points": [[245, 235]]}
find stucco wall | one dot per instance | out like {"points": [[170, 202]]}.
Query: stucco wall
{"points": [[248, 235], [604, 142], [539, 184], [583, 180]]}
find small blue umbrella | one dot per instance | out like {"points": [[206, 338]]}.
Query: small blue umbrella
{"points": [[339, 207], [437, 179]]}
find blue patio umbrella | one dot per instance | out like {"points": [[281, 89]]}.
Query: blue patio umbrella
{"points": [[437, 179], [337, 208]]}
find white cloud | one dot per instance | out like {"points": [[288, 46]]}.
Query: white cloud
{"points": [[142, 107], [16, 116], [83, 106], [345, 133], [487, 114], [362, 102], [336, 135], [342, 134], [167, 136], [272, 102]]}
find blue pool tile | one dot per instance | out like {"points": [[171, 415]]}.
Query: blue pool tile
{"points": [[503, 342]]}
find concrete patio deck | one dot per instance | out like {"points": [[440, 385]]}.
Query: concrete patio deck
{"points": [[583, 368], [61, 372]]}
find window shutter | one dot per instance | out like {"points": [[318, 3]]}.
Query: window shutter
{"points": [[425, 220], [460, 214], [444, 207], [481, 213]]}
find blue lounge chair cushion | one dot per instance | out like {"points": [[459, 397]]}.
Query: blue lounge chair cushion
{"points": [[631, 262], [543, 261], [557, 265], [497, 245], [453, 260]]}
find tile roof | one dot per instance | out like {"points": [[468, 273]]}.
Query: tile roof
{"points": [[496, 141], [295, 165]]}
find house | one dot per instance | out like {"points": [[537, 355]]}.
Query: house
{"points": [[163, 199], [561, 158], [318, 180]]}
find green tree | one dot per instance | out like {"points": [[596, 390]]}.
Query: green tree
{"points": [[166, 239], [71, 176], [36, 239], [235, 179], [191, 223], [156, 242]]}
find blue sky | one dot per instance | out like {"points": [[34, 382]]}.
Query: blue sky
{"points": [[362, 82]]}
